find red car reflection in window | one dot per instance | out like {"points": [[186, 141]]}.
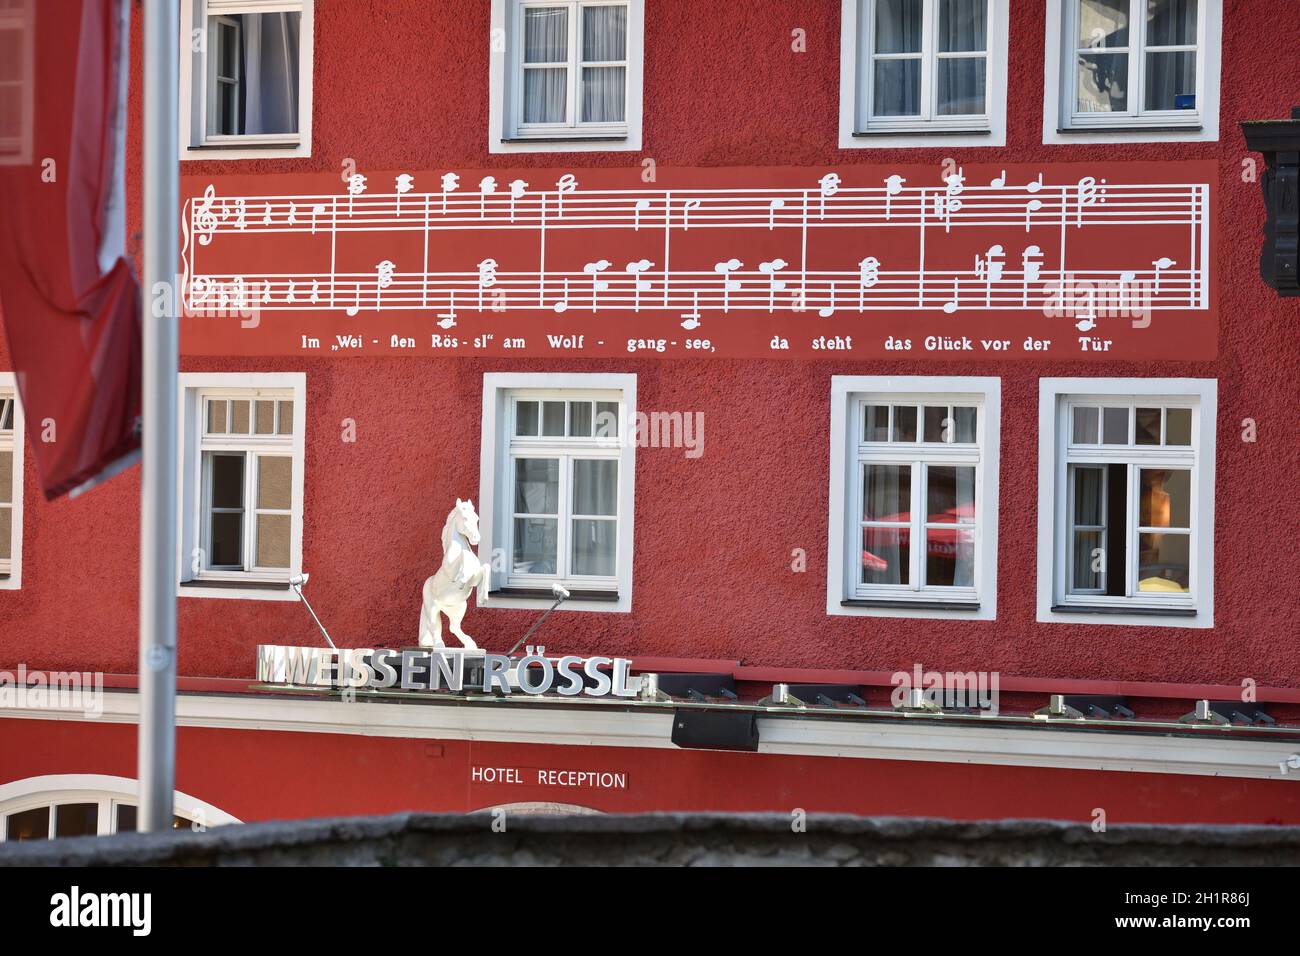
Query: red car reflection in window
{"points": [[943, 543]]}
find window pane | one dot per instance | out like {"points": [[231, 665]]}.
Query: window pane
{"points": [[607, 419], [239, 417], [876, 426], [602, 94], [1103, 23], [1088, 496], [7, 421], [1087, 554], [1103, 83], [896, 88], [126, 818], [553, 419], [1165, 498], [580, 419], [1085, 425], [1171, 22], [898, 26], [950, 557], [6, 533], [1114, 426], [595, 487], [886, 556], [217, 416], [535, 545], [546, 35], [274, 487], [1148, 426], [273, 541], [1164, 562], [6, 477], [545, 95], [227, 481], [227, 540], [537, 486], [76, 819], [1171, 81], [264, 418], [961, 86], [526, 418], [594, 545], [950, 490], [31, 824], [887, 493], [962, 26], [1178, 426], [904, 423], [604, 34], [261, 55], [285, 426], [937, 423], [964, 420]]}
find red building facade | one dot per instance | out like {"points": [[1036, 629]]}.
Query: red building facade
{"points": [[733, 552]]}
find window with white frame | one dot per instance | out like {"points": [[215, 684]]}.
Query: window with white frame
{"points": [[16, 94], [63, 805], [924, 66], [242, 481], [567, 71], [246, 83], [11, 485], [911, 495], [1131, 488], [557, 487], [1137, 63]]}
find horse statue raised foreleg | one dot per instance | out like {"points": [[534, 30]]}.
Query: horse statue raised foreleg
{"points": [[447, 592]]}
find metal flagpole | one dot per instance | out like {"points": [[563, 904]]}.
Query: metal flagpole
{"points": [[157, 737]]}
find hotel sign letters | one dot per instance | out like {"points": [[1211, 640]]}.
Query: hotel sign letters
{"points": [[1087, 261]]}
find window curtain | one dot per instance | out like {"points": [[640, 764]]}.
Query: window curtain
{"points": [[270, 73], [963, 28], [546, 40], [604, 40], [896, 84]]}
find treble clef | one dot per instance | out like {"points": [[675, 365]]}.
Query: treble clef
{"points": [[205, 221]]}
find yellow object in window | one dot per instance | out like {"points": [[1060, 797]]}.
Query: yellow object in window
{"points": [[1161, 584]]}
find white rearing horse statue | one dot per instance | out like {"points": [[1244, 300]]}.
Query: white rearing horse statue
{"points": [[447, 592]]}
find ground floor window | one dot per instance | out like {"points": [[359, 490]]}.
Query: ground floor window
{"points": [[64, 805], [11, 484]]}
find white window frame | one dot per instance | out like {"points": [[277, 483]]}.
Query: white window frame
{"points": [[51, 790], [1062, 125], [13, 441], [19, 19], [195, 142], [848, 392], [196, 387], [496, 479], [505, 86], [859, 131], [1056, 452]]}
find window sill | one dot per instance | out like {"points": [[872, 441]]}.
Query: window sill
{"points": [[924, 131], [1135, 128], [912, 605], [544, 595], [620, 138], [240, 144], [1107, 609]]}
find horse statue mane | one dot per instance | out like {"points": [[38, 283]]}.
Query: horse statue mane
{"points": [[447, 591]]}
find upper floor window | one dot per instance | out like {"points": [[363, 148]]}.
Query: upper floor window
{"points": [[16, 92], [11, 485], [246, 84], [567, 74], [924, 67], [1131, 491], [556, 490], [915, 515], [1137, 65], [243, 482]]}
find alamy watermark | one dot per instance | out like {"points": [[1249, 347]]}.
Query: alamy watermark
{"points": [[52, 690]]}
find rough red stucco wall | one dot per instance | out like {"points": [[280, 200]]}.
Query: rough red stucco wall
{"points": [[403, 85]]}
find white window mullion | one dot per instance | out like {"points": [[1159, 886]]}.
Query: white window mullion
{"points": [[929, 55], [918, 521]]}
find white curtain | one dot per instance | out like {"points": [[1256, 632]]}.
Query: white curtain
{"points": [[546, 40], [896, 83], [963, 28], [604, 40], [270, 80]]}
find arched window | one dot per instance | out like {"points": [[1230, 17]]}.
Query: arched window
{"points": [[60, 805]]}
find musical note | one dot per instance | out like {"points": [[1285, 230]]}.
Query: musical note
{"points": [[594, 269], [828, 310], [1087, 193], [1124, 279], [1036, 185], [829, 185], [356, 186], [1031, 264], [639, 285], [989, 268], [290, 297], [317, 211], [692, 318], [315, 291], [565, 184], [517, 188], [893, 186], [686, 212], [402, 185], [729, 284], [951, 306], [486, 187], [1031, 207], [999, 181], [1161, 264], [772, 207], [266, 214], [239, 215], [353, 309], [487, 278], [563, 304], [642, 204], [450, 183], [868, 277], [449, 317], [1088, 322], [774, 285]]}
